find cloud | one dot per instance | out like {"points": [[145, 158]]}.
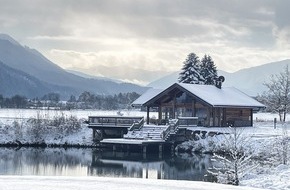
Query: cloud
{"points": [[136, 38], [133, 67]]}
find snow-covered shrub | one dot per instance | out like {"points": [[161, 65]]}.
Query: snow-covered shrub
{"points": [[38, 129], [65, 125], [35, 130], [234, 159], [203, 144], [71, 125], [4, 129], [18, 131], [232, 153], [57, 121], [280, 151]]}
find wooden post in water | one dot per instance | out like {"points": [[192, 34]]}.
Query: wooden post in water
{"points": [[144, 150], [94, 133], [172, 149], [160, 150], [114, 150]]}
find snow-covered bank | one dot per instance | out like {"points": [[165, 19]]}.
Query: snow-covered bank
{"points": [[59, 131], [277, 177], [51, 127], [100, 183], [267, 146]]}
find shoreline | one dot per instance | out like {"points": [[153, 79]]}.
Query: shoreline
{"points": [[45, 145]]}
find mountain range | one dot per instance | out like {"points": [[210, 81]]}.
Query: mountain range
{"points": [[249, 80], [27, 72]]}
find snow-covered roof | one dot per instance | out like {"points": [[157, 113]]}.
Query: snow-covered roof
{"points": [[216, 97], [226, 96], [150, 93]]}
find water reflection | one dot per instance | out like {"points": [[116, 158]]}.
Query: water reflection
{"points": [[39, 161], [88, 162], [183, 166]]}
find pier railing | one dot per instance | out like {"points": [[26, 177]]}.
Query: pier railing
{"points": [[173, 125], [115, 121], [187, 121], [137, 126]]}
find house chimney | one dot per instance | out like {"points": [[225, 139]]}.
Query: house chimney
{"points": [[219, 81]]}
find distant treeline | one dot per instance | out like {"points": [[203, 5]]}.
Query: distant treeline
{"points": [[86, 100]]}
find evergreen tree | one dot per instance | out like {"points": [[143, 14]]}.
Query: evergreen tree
{"points": [[191, 70], [208, 70]]}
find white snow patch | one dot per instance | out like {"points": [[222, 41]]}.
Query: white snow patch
{"points": [[104, 183]]}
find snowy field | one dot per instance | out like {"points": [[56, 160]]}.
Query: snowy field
{"points": [[13, 114], [100, 183], [263, 139]]}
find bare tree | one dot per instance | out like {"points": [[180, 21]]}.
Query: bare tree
{"points": [[233, 161], [277, 98]]}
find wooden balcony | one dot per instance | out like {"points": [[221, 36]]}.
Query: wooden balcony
{"points": [[105, 122], [188, 121]]}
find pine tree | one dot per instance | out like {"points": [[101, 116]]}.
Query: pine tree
{"points": [[208, 70], [191, 70]]}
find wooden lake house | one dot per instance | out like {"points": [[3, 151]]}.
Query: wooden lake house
{"points": [[209, 105], [181, 109]]}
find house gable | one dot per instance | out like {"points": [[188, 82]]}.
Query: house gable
{"points": [[211, 105]]}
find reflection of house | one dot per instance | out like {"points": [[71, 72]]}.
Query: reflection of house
{"points": [[124, 164], [212, 106]]}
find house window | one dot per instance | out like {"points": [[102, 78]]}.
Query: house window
{"points": [[184, 98], [201, 112]]}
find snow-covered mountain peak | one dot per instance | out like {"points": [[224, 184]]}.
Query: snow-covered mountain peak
{"points": [[8, 38]]}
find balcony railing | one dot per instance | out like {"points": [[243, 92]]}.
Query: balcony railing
{"points": [[187, 121], [114, 121]]}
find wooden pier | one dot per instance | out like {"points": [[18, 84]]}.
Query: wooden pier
{"points": [[131, 134], [113, 126]]}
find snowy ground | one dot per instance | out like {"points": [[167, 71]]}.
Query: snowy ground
{"points": [[13, 114], [263, 141], [263, 138], [269, 178], [49, 134], [100, 183]]}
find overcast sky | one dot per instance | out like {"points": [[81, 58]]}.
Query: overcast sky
{"points": [[142, 40]]}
